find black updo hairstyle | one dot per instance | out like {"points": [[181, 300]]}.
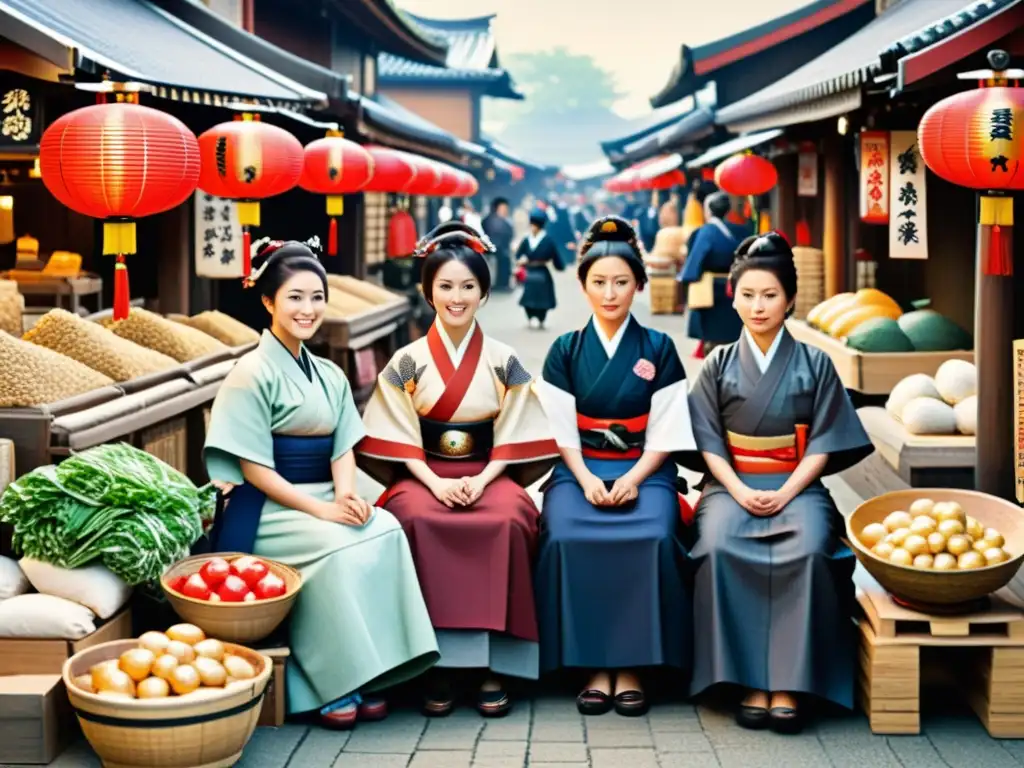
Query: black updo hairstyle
{"points": [[276, 261], [771, 253], [612, 236], [454, 241], [539, 218]]}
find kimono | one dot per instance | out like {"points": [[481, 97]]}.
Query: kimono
{"points": [[457, 409], [610, 581], [773, 595], [499, 230], [711, 250], [538, 288], [360, 622]]}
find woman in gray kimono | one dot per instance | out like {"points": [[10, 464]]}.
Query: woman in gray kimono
{"points": [[773, 585]]}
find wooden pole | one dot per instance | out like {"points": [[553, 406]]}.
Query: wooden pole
{"points": [[993, 357], [834, 230]]}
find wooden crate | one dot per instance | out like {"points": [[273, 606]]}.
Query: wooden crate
{"points": [[663, 295], [46, 657], [274, 703], [890, 661], [168, 441]]}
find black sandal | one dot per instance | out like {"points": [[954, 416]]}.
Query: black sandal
{"points": [[436, 705], [493, 703], [593, 702], [631, 703], [752, 718], [787, 720]]}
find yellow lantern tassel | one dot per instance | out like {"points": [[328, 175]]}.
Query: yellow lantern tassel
{"points": [[118, 237], [6, 219], [997, 213], [335, 208], [765, 223]]}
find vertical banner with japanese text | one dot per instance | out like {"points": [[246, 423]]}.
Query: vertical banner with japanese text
{"points": [[874, 177], [218, 240], [20, 123], [908, 222], [807, 174], [1018, 418]]}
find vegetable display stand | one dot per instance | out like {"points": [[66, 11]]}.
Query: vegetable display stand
{"points": [[28, 656], [898, 646], [872, 373], [921, 460]]}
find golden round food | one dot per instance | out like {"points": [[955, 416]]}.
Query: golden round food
{"points": [[154, 641], [924, 562], [210, 648], [84, 682], [900, 556], [991, 534], [923, 524], [153, 688], [951, 528], [995, 555], [189, 634], [106, 678], [897, 537], [958, 544], [916, 544], [183, 652], [873, 533], [949, 510], [896, 520], [211, 673], [239, 668], [164, 666], [184, 679], [936, 543], [922, 507], [970, 560], [974, 528], [944, 562], [883, 549], [137, 663]]}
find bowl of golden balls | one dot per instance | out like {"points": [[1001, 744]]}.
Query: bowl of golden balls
{"points": [[174, 699], [938, 550]]}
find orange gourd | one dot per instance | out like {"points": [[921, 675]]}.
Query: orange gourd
{"points": [[848, 321], [814, 316]]}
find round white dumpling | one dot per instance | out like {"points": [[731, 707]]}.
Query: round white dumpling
{"points": [[966, 412], [956, 380], [925, 416], [917, 385]]}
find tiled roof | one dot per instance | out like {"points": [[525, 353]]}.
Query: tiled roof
{"points": [[472, 58]]}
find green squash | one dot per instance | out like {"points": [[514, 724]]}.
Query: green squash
{"points": [[879, 334], [929, 331]]}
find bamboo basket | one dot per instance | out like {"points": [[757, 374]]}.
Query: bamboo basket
{"points": [[942, 591], [810, 271], [175, 732], [233, 622], [663, 295]]}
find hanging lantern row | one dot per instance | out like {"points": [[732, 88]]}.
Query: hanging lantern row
{"points": [[656, 173], [746, 175], [121, 161]]}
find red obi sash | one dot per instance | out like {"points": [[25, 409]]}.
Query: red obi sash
{"points": [[767, 455], [635, 424]]}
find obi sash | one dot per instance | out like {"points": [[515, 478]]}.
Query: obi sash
{"points": [[449, 440], [612, 438], [767, 455], [299, 460]]}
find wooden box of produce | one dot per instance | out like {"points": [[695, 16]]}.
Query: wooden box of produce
{"points": [[274, 702], [663, 295], [36, 720], [47, 657], [921, 460]]}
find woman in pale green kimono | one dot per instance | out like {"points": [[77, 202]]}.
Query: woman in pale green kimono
{"points": [[280, 442]]}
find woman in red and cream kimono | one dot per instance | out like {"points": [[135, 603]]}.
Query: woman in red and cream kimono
{"points": [[455, 433]]}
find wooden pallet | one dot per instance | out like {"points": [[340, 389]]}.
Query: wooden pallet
{"points": [[991, 672]]}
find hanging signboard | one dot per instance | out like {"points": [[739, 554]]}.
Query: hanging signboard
{"points": [[1018, 418], [807, 174], [20, 121], [218, 240], [874, 177], [908, 223]]}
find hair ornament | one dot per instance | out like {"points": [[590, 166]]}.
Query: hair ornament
{"points": [[268, 246], [609, 226], [480, 244], [315, 245]]}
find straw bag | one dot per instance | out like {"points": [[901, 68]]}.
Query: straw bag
{"points": [[701, 295]]}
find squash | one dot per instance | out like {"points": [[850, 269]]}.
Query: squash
{"points": [[815, 314], [874, 297], [847, 322], [826, 318], [927, 416], [966, 412], [879, 334], [956, 380], [929, 331], [913, 387]]}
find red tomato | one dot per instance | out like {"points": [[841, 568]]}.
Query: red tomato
{"points": [[176, 583], [251, 570], [196, 588], [269, 586], [241, 562], [232, 590], [215, 571]]}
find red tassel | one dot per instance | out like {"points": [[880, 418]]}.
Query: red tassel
{"points": [[698, 353], [728, 288], [122, 294], [332, 238], [246, 255], [748, 209], [803, 234], [1000, 259]]}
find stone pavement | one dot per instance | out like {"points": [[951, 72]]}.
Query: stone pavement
{"points": [[548, 732]]}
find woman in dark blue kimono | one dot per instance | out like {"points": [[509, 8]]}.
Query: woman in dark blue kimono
{"points": [[773, 583], [535, 251], [610, 584], [710, 252]]}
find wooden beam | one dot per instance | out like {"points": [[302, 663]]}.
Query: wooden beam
{"points": [[834, 234]]}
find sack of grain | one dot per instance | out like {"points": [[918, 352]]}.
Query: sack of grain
{"points": [[364, 290], [150, 330], [347, 304], [95, 346], [224, 328], [12, 306], [33, 375]]}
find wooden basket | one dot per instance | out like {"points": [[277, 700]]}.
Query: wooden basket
{"points": [[941, 591], [174, 732], [234, 622]]}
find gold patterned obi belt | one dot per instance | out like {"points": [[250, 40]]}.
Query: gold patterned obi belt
{"points": [[448, 440], [767, 455]]}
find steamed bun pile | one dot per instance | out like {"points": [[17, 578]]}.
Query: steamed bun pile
{"points": [[944, 405]]}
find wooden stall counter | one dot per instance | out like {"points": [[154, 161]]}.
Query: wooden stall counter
{"points": [[921, 461], [872, 373]]}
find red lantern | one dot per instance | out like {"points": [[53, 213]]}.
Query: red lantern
{"points": [[402, 235], [119, 162], [968, 139], [746, 176], [468, 185], [248, 160], [429, 177], [517, 172], [393, 171], [335, 166], [667, 180]]}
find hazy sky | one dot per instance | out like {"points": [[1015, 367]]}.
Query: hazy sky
{"points": [[637, 40]]}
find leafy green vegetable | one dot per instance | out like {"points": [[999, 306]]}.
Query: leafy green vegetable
{"points": [[113, 502]]}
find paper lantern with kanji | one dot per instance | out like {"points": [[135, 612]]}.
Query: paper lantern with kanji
{"points": [[248, 160], [393, 171], [119, 162], [335, 166], [746, 176]]}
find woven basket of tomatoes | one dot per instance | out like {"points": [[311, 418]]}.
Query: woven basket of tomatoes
{"points": [[239, 598]]}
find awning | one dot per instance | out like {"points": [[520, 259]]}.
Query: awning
{"points": [[587, 171], [136, 40], [830, 85], [732, 146], [696, 125]]}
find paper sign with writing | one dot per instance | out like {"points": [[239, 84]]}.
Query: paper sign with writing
{"points": [[218, 241], [807, 174], [1018, 418], [20, 124], [874, 177], [908, 203]]}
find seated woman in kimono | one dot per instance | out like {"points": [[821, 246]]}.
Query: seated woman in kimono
{"points": [[455, 433], [773, 581], [610, 580], [280, 440]]}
